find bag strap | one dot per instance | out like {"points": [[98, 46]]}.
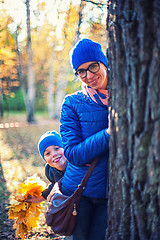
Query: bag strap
{"points": [[88, 173]]}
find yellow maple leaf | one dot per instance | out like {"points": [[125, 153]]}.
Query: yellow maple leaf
{"points": [[26, 215], [21, 206], [21, 230]]}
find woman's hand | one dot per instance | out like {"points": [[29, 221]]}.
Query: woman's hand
{"points": [[109, 125], [34, 199]]}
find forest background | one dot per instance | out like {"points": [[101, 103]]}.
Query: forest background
{"points": [[35, 40], [35, 75]]}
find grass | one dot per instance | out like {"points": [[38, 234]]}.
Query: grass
{"points": [[15, 116], [20, 159]]}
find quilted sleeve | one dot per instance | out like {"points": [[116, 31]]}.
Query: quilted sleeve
{"points": [[79, 151]]}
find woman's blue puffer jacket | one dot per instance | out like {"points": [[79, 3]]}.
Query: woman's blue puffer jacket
{"points": [[83, 130]]}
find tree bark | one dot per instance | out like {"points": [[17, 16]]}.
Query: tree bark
{"points": [[30, 72], [80, 20], [134, 86], [51, 105], [61, 88], [1, 99], [20, 69]]}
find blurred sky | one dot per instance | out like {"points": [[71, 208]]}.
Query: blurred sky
{"points": [[17, 10]]}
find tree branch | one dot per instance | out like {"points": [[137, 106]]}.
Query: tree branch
{"points": [[100, 5]]}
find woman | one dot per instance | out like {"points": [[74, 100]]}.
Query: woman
{"points": [[84, 123]]}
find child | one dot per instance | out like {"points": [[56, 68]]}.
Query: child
{"points": [[51, 150]]}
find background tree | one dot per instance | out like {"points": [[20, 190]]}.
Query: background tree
{"points": [[65, 74], [44, 41], [8, 60], [134, 81], [55, 26], [30, 72], [21, 76]]}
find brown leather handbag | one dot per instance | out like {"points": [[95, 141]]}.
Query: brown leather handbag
{"points": [[62, 210]]}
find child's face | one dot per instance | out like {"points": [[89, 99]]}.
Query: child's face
{"points": [[54, 156]]}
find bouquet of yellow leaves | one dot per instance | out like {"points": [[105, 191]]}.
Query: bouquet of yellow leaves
{"points": [[26, 214]]}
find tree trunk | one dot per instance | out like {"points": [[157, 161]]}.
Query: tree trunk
{"points": [[134, 85], [80, 20], [1, 99], [51, 110], [61, 88], [20, 69], [30, 72]]}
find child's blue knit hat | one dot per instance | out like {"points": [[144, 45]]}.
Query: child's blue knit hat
{"points": [[48, 139], [85, 51]]}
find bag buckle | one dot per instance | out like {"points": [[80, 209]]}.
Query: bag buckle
{"points": [[74, 210], [79, 186]]}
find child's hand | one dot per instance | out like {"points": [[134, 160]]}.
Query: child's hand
{"points": [[34, 199]]}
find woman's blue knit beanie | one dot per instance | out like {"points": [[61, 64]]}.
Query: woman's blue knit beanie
{"points": [[85, 51], [48, 139]]}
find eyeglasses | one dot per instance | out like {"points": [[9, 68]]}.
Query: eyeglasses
{"points": [[93, 68]]}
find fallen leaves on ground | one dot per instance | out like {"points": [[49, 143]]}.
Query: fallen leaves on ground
{"points": [[20, 159]]}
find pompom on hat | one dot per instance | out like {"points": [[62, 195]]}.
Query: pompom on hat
{"points": [[85, 51], [48, 139]]}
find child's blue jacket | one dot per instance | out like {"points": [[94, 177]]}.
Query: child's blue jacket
{"points": [[83, 130]]}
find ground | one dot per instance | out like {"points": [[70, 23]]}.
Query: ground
{"points": [[20, 159]]}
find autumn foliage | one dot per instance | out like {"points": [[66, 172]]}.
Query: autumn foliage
{"points": [[25, 214]]}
